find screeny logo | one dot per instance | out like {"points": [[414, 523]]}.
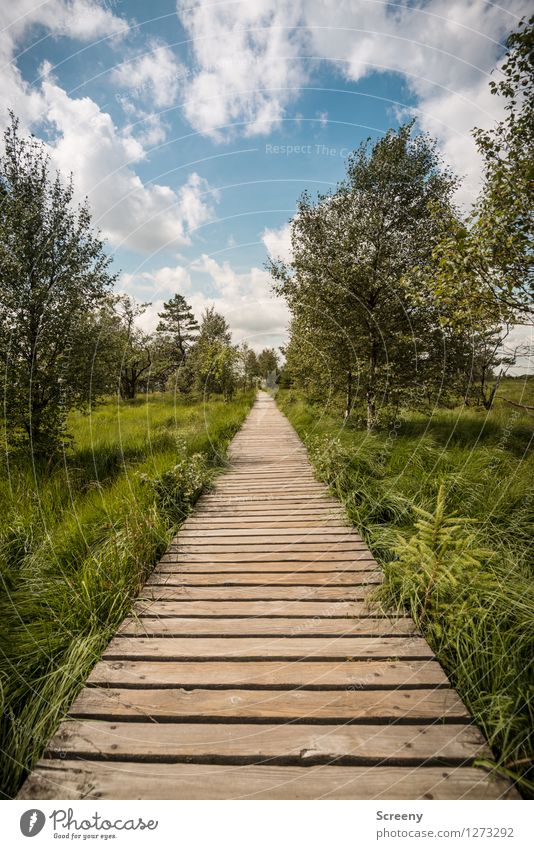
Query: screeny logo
{"points": [[32, 822]]}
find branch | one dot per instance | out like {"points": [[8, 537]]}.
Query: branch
{"points": [[516, 404]]}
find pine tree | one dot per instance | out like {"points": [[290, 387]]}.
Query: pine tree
{"points": [[179, 326]]}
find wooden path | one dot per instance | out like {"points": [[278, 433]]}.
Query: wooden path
{"points": [[252, 666]]}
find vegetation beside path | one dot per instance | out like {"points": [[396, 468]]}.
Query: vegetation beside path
{"points": [[78, 539], [445, 503]]}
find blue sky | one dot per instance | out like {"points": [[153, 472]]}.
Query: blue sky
{"points": [[194, 126]]}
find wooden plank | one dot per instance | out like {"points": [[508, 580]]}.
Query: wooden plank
{"points": [[212, 626], [268, 674], [177, 567], [258, 648], [284, 705], [298, 744], [237, 556], [257, 608], [262, 549], [164, 592], [63, 779], [262, 524], [286, 510], [316, 534], [308, 578]]}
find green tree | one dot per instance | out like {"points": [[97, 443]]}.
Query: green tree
{"points": [[249, 367], [352, 249], [213, 358], [485, 266], [54, 274], [135, 348], [268, 363], [179, 327]]}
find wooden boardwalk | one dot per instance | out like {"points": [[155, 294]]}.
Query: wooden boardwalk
{"points": [[252, 666]]}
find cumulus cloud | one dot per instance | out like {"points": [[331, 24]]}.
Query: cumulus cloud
{"points": [[245, 299], [83, 20], [247, 64], [250, 61], [130, 213], [165, 281], [155, 75], [277, 241]]}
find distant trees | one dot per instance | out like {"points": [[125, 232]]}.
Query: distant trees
{"points": [[268, 364], [55, 274], [354, 322], [178, 327], [213, 358], [248, 365], [395, 298]]}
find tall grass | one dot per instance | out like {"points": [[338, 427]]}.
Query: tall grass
{"points": [[79, 538], [466, 575]]}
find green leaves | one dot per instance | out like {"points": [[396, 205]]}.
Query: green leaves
{"points": [[176, 489], [354, 327], [55, 273]]}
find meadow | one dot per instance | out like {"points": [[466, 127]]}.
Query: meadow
{"points": [[79, 537], [445, 501]]}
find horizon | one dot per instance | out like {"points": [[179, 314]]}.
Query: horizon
{"points": [[193, 162]]}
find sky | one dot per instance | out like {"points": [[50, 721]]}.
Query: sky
{"points": [[193, 126]]}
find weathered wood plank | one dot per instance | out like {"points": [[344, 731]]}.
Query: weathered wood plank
{"points": [[380, 706], [264, 673], [74, 780], [212, 626], [315, 534], [304, 744], [295, 578], [165, 592], [181, 648], [258, 608], [178, 567]]}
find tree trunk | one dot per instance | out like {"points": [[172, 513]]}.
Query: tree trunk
{"points": [[348, 403], [371, 391], [488, 402]]}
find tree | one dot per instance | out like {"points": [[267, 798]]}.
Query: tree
{"points": [[352, 249], [179, 328], [249, 366], [268, 363], [485, 266], [213, 358], [54, 274], [136, 348]]}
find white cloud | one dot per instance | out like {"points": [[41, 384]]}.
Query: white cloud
{"points": [[83, 20], [247, 60], [166, 281], [250, 60], [446, 52], [154, 76], [245, 299], [278, 242], [144, 217], [130, 213]]}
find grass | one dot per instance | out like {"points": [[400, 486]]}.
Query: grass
{"points": [[78, 540], [445, 501]]}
